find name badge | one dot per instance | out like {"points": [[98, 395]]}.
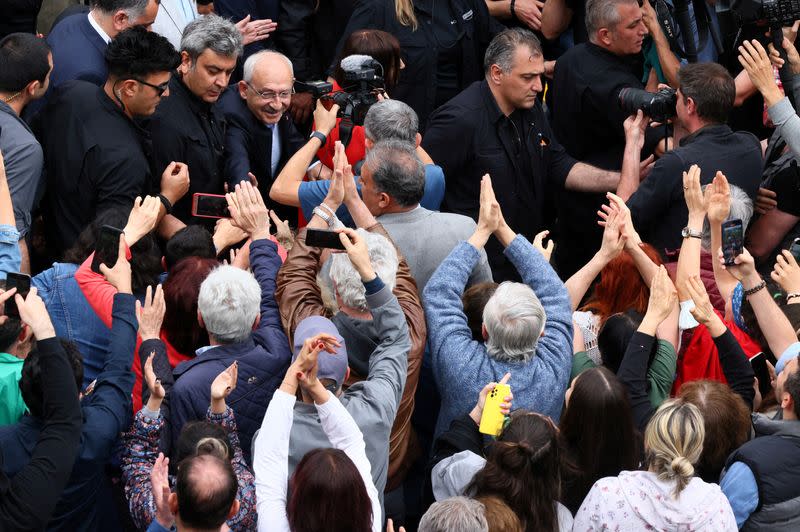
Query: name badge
{"points": [[467, 15]]}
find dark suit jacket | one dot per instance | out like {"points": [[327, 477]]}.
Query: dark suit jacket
{"points": [[248, 148]]}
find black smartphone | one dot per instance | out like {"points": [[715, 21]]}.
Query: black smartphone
{"points": [[106, 250], [794, 249], [759, 364], [320, 238], [22, 283], [732, 240], [210, 206]]}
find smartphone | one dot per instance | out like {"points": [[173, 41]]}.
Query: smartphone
{"points": [[759, 364], [22, 283], [492, 418], [732, 240], [321, 238], [794, 249], [210, 206], [106, 250]]}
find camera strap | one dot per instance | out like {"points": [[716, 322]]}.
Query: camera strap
{"points": [[667, 17]]}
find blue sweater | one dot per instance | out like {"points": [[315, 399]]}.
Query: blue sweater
{"points": [[462, 366]]}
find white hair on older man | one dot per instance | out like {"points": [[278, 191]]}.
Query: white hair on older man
{"points": [[455, 513], [229, 303], [514, 319], [251, 62], [346, 279]]}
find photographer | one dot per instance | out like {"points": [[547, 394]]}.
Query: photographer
{"points": [[705, 99]]}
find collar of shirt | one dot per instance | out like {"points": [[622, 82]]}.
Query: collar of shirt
{"points": [[98, 29], [6, 358], [492, 108], [709, 130], [203, 349], [177, 85]]}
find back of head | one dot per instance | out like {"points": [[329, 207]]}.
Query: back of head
{"points": [[522, 468], [134, 8], [514, 319], [191, 241], [9, 332], [229, 303], [499, 516], [711, 87], [791, 386], [456, 513], [397, 170], [206, 489], [211, 32], [474, 300], [673, 441], [137, 53], [597, 428], [615, 335], [181, 292], [602, 14], [328, 493], [383, 47], [726, 419], [202, 437], [503, 47], [621, 288], [347, 281], [391, 120], [30, 384], [23, 59]]}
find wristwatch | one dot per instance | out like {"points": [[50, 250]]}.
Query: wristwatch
{"points": [[321, 136], [686, 232]]}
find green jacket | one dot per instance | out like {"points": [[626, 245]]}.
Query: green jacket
{"points": [[12, 407]]}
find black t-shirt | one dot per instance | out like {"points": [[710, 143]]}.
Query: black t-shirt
{"points": [[786, 185], [446, 36]]}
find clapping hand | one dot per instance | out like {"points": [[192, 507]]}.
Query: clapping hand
{"points": [[703, 310], [663, 297], [157, 392], [151, 314], [505, 406], [613, 235], [222, 387], [159, 481], [304, 368], [120, 275], [693, 195], [248, 211], [718, 199]]}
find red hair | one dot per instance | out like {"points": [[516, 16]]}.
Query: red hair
{"points": [[181, 290], [621, 288]]}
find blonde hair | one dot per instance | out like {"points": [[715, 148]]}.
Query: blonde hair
{"points": [[673, 440], [404, 11]]}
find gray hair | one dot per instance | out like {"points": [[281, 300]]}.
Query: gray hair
{"points": [[391, 120], [514, 319], [211, 32], [603, 14], [502, 48], [398, 171], [347, 281], [455, 514], [250, 63], [132, 8], [229, 302], [741, 208]]}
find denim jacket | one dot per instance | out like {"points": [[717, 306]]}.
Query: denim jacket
{"points": [[9, 250], [72, 316]]}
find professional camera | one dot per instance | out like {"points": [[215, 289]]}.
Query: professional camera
{"points": [[779, 13], [659, 106]]}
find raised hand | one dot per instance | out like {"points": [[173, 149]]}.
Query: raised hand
{"points": [[635, 127], [787, 272], [663, 296], [248, 211], [693, 194], [255, 30], [33, 312], [325, 119], [743, 266], [283, 233], [159, 481], [758, 66], [718, 199], [226, 234], [223, 386], [175, 181], [157, 392], [151, 314], [120, 275], [490, 217], [142, 219], [538, 243], [505, 406], [613, 237]]}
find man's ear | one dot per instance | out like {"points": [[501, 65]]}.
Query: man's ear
{"points": [[384, 200], [368, 144], [120, 21], [25, 334], [691, 106], [186, 63], [787, 403], [127, 88], [604, 36], [347, 374], [242, 85], [495, 74], [256, 321], [172, 502], [200, 320], [234, 509], [418, 139], [484, 332]]}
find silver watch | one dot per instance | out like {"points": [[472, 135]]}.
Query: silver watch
{"points": [[686, 233]]}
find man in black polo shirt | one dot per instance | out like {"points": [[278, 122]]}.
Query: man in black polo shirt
{"points": [[96, 156], [587, 117], [705, 100], [189, 126], [497, 126]]}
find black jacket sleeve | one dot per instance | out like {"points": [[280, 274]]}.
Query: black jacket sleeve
{"points": [[28, 501], [736, 367], [633, 374]]}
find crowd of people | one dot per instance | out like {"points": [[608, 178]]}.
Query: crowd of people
{"points": [[238, 297]]}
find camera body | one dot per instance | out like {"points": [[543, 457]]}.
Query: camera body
{"points": [[779, 13], [659, 106]]}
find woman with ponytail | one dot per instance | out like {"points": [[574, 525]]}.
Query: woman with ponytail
{"points": [[667, 496]]}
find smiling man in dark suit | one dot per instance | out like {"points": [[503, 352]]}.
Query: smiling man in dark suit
{"points": [[261, 137]]}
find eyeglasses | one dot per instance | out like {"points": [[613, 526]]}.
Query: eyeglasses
{"points": [[271, 95], [160, 89]]}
